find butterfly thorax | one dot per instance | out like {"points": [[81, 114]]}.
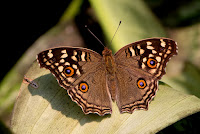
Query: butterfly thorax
{"points": [[109, 60], [110, 70]]}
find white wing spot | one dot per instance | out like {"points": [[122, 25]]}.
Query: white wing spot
{"points": [[132, 51], [83, 56], [52, 66], [74, 66], [143, 65], [151, 55], [74, 58], [168, 52], [75, 53], [154, 51], [62, 61], [56, 64], [60, 68], [142, 51], [64, 55], [150, 47], [78, 72], [67, 63], [50, 55], [149, 43], [162, 43], [63, 75], [158, 64], [48, 63], [64, 51], [158, 58], [138, 46], [44, 60], [144, 59]]}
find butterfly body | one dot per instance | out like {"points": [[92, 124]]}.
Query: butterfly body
{"points": [[110, 64], [129, 77]]}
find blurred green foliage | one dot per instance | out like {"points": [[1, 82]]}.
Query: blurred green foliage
{"points": [[176, 13]]}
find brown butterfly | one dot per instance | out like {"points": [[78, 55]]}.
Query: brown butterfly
{"points": [[129, 77]]}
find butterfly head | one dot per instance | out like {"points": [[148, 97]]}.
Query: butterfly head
{"points": [[107, 52]]}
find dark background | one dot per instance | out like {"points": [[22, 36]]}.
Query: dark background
{"points": [[24, 22]]}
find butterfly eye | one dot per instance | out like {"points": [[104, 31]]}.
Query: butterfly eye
{"points": [[141, 83], [69, 71], [83, 86], [151, 63]]}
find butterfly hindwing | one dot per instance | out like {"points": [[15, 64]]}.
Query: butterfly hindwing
{"points": [[91, 93], [135, 90], [81, 72]]}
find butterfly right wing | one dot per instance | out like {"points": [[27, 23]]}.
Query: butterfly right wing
{"points": [[81, 72], [139, 67]]}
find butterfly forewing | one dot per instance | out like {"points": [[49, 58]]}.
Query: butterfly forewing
{"points": [[151, 55], [67, 63]]}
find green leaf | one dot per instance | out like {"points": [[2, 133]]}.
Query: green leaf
{"points": [[138, 22], [184, 72], [71, 11], [49, 109], [188, 80]]}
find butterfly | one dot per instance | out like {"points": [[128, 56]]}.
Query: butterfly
{"points": [[129, 77]]}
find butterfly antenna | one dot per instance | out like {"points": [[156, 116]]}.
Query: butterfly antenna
{"points": [[94, 35], [115, 32]]}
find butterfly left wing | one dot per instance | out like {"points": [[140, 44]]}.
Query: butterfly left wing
{"points": [[81, 72], [139, 67], [62, 59]]}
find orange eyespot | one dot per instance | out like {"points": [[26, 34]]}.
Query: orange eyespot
{"points": [[151, 63], [69, 71], [141, 83], [83, 86]]}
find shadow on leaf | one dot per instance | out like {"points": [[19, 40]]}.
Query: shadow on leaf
{"points": [[60, 101]]}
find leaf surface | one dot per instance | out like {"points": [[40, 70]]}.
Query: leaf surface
{"points": [[48, 109]]}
